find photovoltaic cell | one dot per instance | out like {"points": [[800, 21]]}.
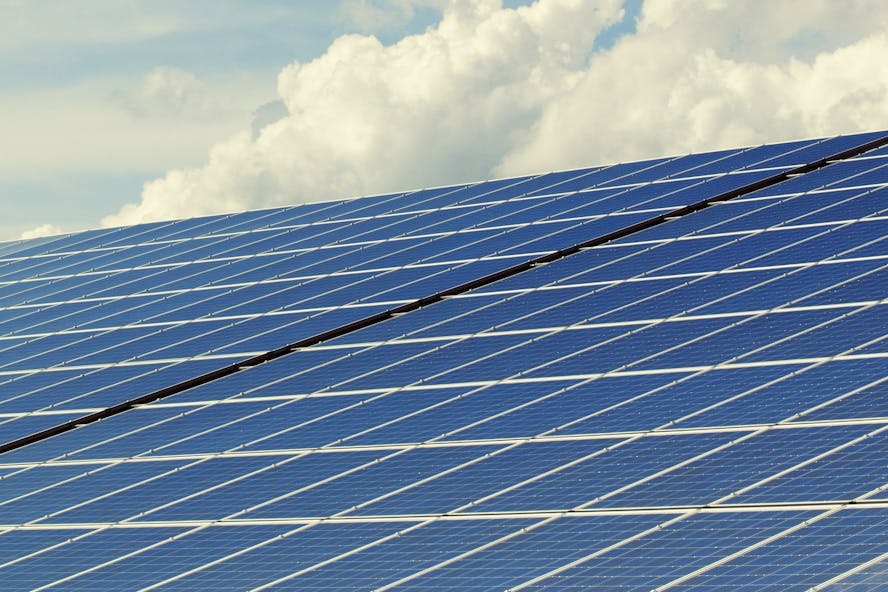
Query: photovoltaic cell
{"points": [[697, 402]]}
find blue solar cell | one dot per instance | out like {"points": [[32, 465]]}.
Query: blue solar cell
{"points": [[845, 474], [845, 204], [871, 176], [619, 348], [579, 179], [757, 157], [229, 427], [101, 387], [480, 192], [779, 246], [532, 552], [410, 552], [832, 336], [553, 182], [828, 147], [386, 474], [299, 548], [865, 577], [25, 480], [13, 428], [282, 477], [677, 399], [748, 338], [505, 468], [806, 286], [407, 201], [16, 544], [673, 167], [803, 209], [864, 402], [437, 361], [768, 395], [600, 476], [568, 234], [352, 416], [84, 550], [72, 349], [609, 303], [735, 467], [688, 296], [674, 551], [150, 490], [804, 558], [459, 411], [91, 481], [306, 423], [841, 174], [176, 554]]}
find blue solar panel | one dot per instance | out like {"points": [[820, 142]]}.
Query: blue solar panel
{"points": [[667, 373]]}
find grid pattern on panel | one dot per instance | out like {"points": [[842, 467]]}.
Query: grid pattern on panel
{"points": [[658, 375]]}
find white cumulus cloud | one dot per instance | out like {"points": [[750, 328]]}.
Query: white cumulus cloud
{"points": [[374, 15], [495, 91], [41, 231], [170, 92]]}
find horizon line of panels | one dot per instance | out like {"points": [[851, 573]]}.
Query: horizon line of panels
{"points": [[655, 167], [672, 188], [115, 346], [326, 212], [323, 212], [327, 239], [866, 200], [830, 462]]}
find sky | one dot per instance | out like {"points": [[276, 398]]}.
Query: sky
{"points": [[117, 112]]}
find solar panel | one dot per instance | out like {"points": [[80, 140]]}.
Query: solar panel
{"points": [[663, 375]]}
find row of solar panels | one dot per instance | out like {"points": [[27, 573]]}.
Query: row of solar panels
{"points": [[598, 552], [99, 325], [693, 405]]}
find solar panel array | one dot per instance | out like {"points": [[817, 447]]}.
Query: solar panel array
{"points": [[663, 375]]}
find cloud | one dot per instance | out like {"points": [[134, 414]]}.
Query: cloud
{"points": [[370, 16], [365, 117], [40, 231], [707, 102], [265, 115], [494, 91], [108, 21], [81, 130], [170, 92]]}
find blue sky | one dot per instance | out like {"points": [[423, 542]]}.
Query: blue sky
{"points": [[245, 41], [101, 97]]}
